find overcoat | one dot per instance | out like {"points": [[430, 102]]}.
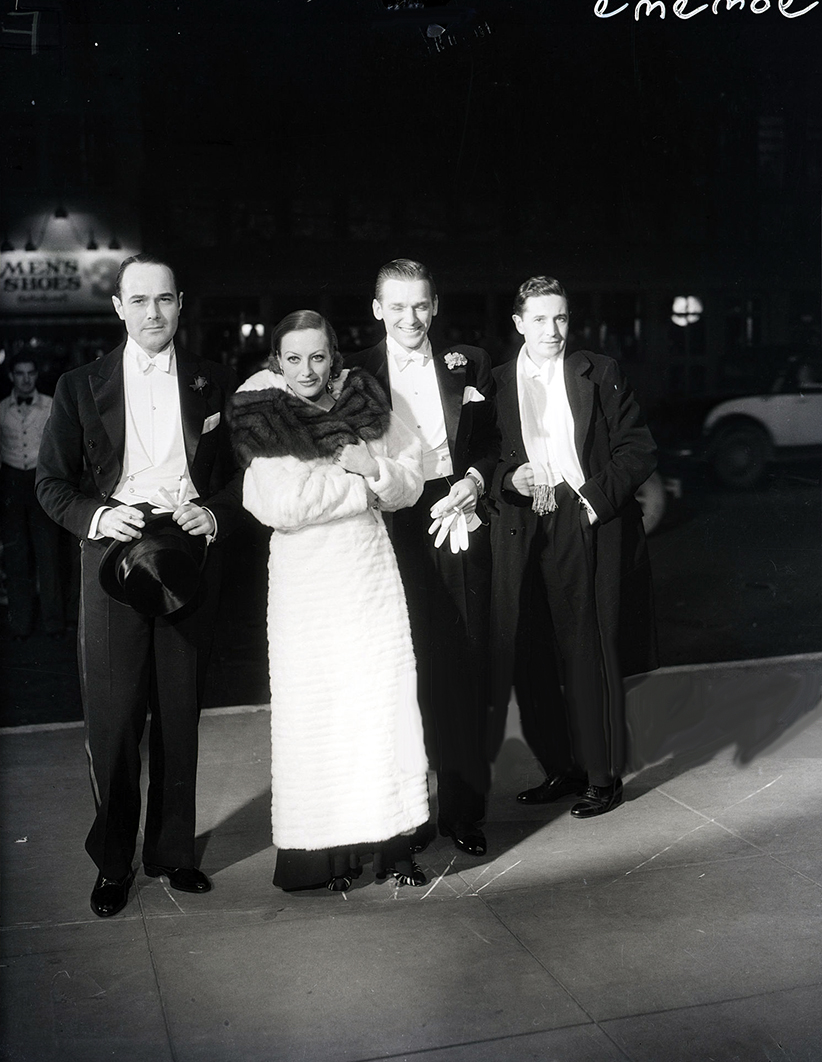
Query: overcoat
{"points": [[617, 454]]}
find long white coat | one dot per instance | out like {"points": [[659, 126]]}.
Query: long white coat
{"points": [[348, 764]]}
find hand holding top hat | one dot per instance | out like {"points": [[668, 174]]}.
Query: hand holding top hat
{"points": [[154, 564], [157, 573]]}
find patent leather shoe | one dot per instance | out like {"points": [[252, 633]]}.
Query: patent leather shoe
{"points": [[555, 787], [597, 799], [467, 836], [184, 879], [110, 895]]}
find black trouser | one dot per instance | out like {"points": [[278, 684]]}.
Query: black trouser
{"points": [[560, 641], [129, 663], [448, 603], [31, 554]]}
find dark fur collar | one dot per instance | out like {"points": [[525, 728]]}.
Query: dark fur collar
{"points": [[275, 423]]}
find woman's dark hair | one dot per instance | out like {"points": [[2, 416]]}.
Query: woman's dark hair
{"points": [[300, 321], [533, 287]]}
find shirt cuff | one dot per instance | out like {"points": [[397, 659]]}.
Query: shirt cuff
{"points": [[210, 538], [590, 510], [93, 534], [478, 478]]}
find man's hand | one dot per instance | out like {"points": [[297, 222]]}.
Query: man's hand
{"points": [[358, 459], [121, 522], [193, 519], [462, 496], [522, 480]]}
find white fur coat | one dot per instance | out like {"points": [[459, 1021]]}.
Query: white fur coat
{"points": [[348, 765]]}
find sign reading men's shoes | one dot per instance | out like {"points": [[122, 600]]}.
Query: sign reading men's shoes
{"points": [[57, 281]]}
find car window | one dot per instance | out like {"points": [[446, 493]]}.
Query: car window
{"points": [[809, 376]]}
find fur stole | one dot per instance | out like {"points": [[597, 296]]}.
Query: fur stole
{"points": [[276, 423]]}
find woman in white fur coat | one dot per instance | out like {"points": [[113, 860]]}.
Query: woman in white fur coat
{"points": [[323, 456]]}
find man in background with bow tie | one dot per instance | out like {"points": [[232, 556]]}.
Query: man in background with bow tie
{"points": [[138, 431], [31, 542], [446, 399]]}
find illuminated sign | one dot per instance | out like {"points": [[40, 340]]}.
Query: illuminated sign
{"points": [[58, 281]]}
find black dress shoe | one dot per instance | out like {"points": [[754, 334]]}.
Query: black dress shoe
{"points": [[184, 879], [466, 836], [553, 788], [110, 895], [597, 799]]}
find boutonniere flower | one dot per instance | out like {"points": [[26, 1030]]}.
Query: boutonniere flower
{"points": [[199, 384], [455, 360]]}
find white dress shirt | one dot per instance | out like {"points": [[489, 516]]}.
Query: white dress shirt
{"points": [[415, 396], [548, 424], [155, 466]]}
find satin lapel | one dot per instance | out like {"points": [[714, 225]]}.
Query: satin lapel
{"points": [[580, 390], [108, 392], [452, 384], [377, 364], [193, 383], [508, 406]]}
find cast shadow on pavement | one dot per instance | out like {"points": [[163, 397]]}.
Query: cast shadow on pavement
{"points": [[685, 717]]}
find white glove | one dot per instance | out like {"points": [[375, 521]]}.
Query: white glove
{"points": [[455, 527]]}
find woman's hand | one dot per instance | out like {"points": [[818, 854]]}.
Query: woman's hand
{"points": [[358, 459]]}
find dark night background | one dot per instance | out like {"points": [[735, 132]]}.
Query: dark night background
{"points": [[282, 151]]}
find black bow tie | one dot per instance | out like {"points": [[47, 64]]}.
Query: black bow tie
{"points": [[24, 400]]}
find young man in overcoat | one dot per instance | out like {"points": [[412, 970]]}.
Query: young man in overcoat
{"points": [[572, 606]]}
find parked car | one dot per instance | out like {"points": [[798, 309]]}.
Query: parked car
{"points": [[741, 436]]}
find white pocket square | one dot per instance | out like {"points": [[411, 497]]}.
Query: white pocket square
{"points": [[210, 423], [471, 394]]}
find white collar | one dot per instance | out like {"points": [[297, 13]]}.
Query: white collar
{"points": [[534, 371], [402, 355], [161, 360]]}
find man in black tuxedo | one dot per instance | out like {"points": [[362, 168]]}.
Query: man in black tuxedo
{"points": [[446, 399], [138, 430], [573, 601]]}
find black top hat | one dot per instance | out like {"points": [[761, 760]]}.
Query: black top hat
{"points": [[157, 573]]}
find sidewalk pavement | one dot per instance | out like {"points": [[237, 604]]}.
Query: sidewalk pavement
{"points": [[685, 925]]}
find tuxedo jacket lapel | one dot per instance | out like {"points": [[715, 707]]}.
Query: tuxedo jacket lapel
{"points": [[108, 392], [451, 384], [377, 364], [192, 403], [580, 390], [508, 406]]}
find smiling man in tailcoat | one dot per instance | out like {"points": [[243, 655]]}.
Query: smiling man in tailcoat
{"points": [[138, 430], [446, 399]]}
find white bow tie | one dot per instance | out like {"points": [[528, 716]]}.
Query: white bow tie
{"points": [[404, 357], [160, 361]]}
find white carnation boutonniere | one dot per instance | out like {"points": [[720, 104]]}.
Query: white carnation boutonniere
{"points": [[455, 360], [199, 384]]}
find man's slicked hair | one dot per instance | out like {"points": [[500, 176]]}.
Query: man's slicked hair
{"points": [[533, 287], [144, 258], [404, 269]]}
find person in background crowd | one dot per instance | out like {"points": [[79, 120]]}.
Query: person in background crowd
{"points": [[30, 539], [137, 431], [572, 599], [324, 458], [446, 400]]}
